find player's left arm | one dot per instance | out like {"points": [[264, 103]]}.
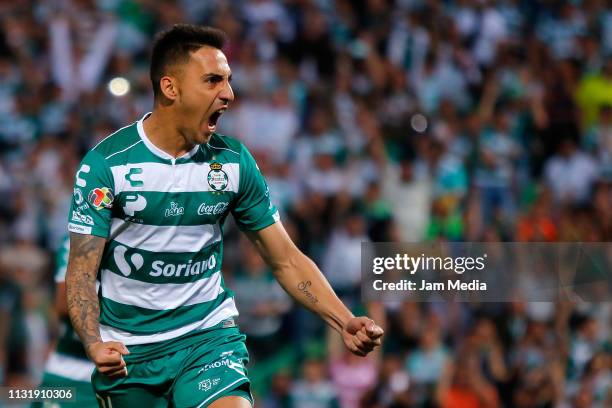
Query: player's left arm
{"points": [[303, 280]]}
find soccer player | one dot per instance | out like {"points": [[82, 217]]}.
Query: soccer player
{"points": [[68, 365], [148, 211]]}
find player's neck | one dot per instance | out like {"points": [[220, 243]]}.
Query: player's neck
{"points": [[160, 130]]}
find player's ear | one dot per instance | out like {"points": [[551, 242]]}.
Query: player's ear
{"points": [[169, 87]]}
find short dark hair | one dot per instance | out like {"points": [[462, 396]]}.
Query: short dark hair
{"points": [[174, 46]]}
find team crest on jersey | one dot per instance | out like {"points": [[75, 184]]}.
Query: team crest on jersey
{"points": [[217, 178], [101, 198]]}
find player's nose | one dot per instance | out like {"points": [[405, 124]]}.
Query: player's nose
{"points": [[227, 94]]}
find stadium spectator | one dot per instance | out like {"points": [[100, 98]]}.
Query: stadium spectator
{"points": [[262, 301], [461, 120], [313, 388], [570, 174]]}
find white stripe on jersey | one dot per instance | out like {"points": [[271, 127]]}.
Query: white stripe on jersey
{"points": [[155, 238], [69, 367], [121, 151], [159, 296], [186, 177], [112, 134], [224, 311], [222, 148]]}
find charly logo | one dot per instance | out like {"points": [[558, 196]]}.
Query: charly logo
{"points": [[217, 178], [134, 181], [101, 198], [124, 266], [212, 209], [81, 181], [174, 210], [133, 204]]}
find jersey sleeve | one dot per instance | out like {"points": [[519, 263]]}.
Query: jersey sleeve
{"points": [[90, 211], [253, 209]]}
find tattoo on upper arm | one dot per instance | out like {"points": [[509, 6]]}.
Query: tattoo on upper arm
{"points": [[303, 287], [83, 306]]}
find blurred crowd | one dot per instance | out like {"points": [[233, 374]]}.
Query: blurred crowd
{"points": [[372, 120]]}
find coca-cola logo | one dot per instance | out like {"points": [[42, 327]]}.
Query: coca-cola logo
{"points": [[212, 209]]}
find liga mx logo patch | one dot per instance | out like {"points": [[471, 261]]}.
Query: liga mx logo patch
{"points": [[217, 178], [101, 198]]}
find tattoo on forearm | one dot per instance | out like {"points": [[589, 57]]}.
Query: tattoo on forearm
{"points": [[83, 306], [303, 287]]}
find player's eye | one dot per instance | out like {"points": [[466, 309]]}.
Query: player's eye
{"points": [[215, 79]]}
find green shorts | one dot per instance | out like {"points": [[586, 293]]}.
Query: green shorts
{"points": [[194, 376], [83, 393]]}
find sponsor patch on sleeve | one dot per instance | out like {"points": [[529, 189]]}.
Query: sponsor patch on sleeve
{"points": [[82, 218], [79, 229], [101, 198]]}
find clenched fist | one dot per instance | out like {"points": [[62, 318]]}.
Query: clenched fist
{"points": [[108, 357], [361, 335]]}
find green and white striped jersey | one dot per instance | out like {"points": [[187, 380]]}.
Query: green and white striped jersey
{"points": [[161, 269], [69, 359]]}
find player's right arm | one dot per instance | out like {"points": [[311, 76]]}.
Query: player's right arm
{"points": [[89, 223], [83, 306]]}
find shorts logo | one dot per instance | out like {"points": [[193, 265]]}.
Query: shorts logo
{"points": [[207, 384], [101, 198], [225, 360], [217, 178]]}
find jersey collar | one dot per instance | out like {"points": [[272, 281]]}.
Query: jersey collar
{"points": [[156, 150]]}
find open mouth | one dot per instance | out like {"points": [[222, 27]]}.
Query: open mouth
{"points": [[214, 118]]}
